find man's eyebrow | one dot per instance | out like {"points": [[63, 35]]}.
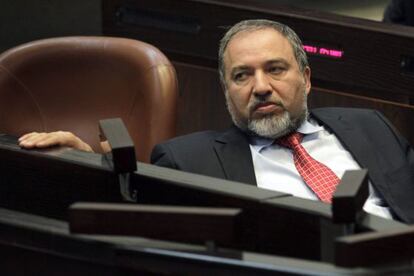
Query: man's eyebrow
{"points": [[269, 62], [277, 60], [239, 68]]}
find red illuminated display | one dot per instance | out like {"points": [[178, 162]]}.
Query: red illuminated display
{"points": [[323, 51]]}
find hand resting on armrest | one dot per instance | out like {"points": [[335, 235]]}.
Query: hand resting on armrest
{"points": [[57, 138]]}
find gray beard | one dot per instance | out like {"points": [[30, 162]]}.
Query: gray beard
{"points": [[271, 126]]}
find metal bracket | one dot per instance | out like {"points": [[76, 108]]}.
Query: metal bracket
{"points": [[350, 197], [122, 155]]}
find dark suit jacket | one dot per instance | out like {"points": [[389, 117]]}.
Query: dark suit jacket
{"points": [[366, 134], [400, 12]]}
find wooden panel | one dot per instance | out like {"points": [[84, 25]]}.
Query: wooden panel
{"points": [[194, 225], [375, 248], [201, 103], [32, 245], [40, 182]]}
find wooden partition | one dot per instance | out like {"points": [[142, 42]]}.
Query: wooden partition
{"points": [[355, 62]]}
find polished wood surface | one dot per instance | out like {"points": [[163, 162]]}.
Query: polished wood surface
{"points": [[201, 104], [375, 248], [194, 225]]}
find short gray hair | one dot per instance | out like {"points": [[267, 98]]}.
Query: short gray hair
{"points": [[257, 24]]}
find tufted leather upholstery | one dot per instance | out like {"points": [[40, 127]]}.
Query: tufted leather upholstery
{"points": [[70, 83]]}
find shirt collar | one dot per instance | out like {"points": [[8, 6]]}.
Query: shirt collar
{"points": [[307, 127]]}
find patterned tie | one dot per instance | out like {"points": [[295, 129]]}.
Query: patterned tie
{"points": [[315, 174]]}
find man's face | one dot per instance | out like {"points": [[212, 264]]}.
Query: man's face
{"points": [[266, 91]]}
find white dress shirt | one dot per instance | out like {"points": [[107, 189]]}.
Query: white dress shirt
{"points": [[275, 169]]}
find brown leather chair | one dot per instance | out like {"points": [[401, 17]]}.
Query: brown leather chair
{"points": [[71, 83]]}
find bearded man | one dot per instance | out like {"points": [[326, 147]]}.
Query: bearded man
{"points": [[275, 142], [266, 78]]}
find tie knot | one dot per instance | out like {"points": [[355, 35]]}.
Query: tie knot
{"points": [[291, 140]]}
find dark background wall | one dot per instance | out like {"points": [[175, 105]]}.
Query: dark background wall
{"points": [[26, 20]]}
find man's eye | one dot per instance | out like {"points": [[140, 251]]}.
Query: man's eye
{"points": [[275, 70], [240, 76]]}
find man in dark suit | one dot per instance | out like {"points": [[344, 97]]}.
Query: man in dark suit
{"points": [[266, 78]]}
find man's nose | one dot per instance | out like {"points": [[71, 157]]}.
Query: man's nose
{"points": [[261, 84]]}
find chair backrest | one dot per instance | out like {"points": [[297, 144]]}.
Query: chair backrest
{"points": [[70, 83]]}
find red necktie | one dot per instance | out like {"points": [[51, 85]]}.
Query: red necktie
{"points": [[315, 174]]}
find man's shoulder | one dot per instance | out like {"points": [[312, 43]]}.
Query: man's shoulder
{"points": [[356, 116], [347, 111], [363, 120], [192, 153], [351, 114], [197, 144]]}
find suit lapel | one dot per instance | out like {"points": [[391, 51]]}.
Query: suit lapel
{"points": [[233, 151], [358, 145], [392, 185], [361, 149]]}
